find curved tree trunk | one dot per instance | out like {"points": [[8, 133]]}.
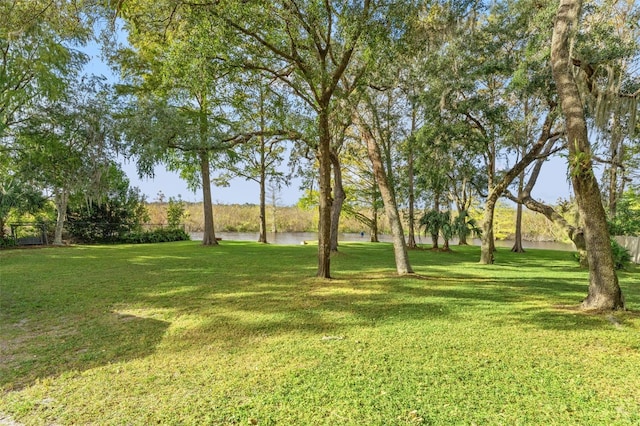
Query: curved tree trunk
{"points": [[604, 290], [496, 190], [209, 237], [325, 201], [338, 200], [61, 200], [576, 235], [391, 208]]}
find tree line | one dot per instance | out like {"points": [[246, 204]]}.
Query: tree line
{"points": [[400, 106]]}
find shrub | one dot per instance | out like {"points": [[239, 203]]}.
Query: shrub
{"points": [[175, 212], [163, 235], [621, 256], [6, 242]]}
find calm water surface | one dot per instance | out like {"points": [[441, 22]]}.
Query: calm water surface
{"points": [[288, 238]]}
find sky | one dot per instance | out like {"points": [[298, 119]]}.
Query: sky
{"points": [[552, 183], [240, 190]]}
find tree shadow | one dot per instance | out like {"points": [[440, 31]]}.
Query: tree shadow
{"points": [[231, 304], [35, 352]]}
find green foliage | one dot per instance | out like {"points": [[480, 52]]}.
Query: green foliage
{"points": [[6, 242], [110, 217], [447, 230], [175, 212], [621, 256], [162, 235], [436, 223], [464, 226], [431, 222], [17, 197], [37, 61], [627, 218], [308, 200]]}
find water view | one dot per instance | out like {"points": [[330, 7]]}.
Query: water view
{"points": [[287, 238]]}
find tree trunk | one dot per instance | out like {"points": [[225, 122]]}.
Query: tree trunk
{"points": [[497, 189], [262, 238], [463, 203], [2, 225], [338, 200], [411, 242], [325, 202], [436, 208], [61, 200], [462, 239], [487, 246], [604, 290], [209, 237], [274, 212], [391, 208], [517, 245], [374, 214]]}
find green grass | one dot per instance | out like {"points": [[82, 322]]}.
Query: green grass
{"points": [[178, 333]]}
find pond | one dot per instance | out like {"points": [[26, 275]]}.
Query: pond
{"points": [[300, 237]]}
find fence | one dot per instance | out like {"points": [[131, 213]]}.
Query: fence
{"points": [[632, 244]]}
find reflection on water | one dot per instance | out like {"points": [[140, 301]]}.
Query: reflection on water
{"points": [[300, 237]]}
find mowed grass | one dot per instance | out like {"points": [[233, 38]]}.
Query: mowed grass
{"points": [[178, 333]]}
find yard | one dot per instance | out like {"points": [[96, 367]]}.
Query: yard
{"points": [[179, 333]]}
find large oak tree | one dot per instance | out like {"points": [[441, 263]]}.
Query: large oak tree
{"points": [[604, 290]]}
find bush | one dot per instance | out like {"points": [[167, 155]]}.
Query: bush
{"points": [[175, 212], [6, 242], [109, 216], [621, 256], [165, 235]]}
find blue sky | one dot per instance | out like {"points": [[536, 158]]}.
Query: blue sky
{"points": [[239, 192], [552, 183]]}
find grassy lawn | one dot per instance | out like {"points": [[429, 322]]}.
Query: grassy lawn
{"points": [[177, 333]]}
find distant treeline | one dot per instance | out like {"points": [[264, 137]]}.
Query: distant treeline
{"points": [[245, 218]]}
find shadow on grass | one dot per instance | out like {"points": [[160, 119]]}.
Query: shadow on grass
{"points": [[234, 295], [74, 344], [242, 316]]}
